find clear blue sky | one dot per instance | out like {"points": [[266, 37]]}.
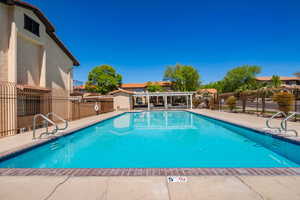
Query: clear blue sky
{"points": [[140, 37]]}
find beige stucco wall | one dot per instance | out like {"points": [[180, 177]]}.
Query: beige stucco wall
{"points": [[122, 101], [19, 20], [39, 60], [59, 67], [8, 117], [33, 60], [29, 62], [4, 41]]}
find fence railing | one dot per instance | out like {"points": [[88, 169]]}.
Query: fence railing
{"points": [[256, 103], [18, 106]]}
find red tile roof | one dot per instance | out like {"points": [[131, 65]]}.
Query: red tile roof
{"points": [[209, 90], [133, 85], [163, 83], [143, 85], [79, 87], [121, 91], [283, 78]]}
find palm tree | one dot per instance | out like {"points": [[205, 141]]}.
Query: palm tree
{"points": [[263, 93], [248, 90], [275, 81], [243, 95]]}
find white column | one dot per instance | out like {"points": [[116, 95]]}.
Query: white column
{"points": [[148, 100], [12, 57], [187, 101], [165, 101], [191, 101]]}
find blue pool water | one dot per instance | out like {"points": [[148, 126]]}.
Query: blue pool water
{"points": [[160, 139]]}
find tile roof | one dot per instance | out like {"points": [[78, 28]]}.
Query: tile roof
{"points": [[283, 78], [143, 85], [79, 87], [121, 91], [208, 90], [133, 85], [31, 87]]}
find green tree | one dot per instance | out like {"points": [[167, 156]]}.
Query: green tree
{"points": [[243, 75], [275, 81], [103, 79], [183, 77], [218, 85], [285, 101], [154, 87]]}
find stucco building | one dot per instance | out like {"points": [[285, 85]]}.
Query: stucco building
{"points": [[30, 52], [32, 59], [122, 99]]}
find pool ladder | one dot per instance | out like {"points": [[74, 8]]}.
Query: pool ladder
{"points": [[283, 124], [46, 124]]}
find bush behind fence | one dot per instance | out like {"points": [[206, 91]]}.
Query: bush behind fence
{"points": [[256, 103]]}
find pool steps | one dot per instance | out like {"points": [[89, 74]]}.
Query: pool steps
{"points": [[47, 120], [283, 125]]}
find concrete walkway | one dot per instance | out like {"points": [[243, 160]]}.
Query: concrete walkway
{"points": [[248, 120], [149, 188], [12, 142]]}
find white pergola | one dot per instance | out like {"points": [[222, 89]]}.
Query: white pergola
{"points": [[165, 95]]}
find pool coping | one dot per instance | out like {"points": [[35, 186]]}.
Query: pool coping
{"points": [[259, 131], [150, 172], [295, 171]]}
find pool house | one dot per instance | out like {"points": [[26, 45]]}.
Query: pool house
{"points": [[163, 100]]}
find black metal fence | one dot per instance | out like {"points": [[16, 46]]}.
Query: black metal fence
{"points": [[261, 104], [18, 105]]}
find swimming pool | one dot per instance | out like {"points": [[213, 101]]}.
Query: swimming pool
{"points": [[161, 139]]}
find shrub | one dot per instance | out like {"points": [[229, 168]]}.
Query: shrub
{"points": [[196, 102], [285, 101], [231, 102], [154, 87]]}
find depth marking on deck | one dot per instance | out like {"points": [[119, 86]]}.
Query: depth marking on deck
{"points": [[177, 179]]}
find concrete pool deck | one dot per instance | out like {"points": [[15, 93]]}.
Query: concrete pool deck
{"points": [[251, 121], [149, 187], [13, 142]]}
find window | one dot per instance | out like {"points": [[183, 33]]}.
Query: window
{"points": [[31, 25]]}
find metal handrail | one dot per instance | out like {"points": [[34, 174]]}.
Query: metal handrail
{"points": [[60, 118], [284, 123], [275, 115], [47, 120]]}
